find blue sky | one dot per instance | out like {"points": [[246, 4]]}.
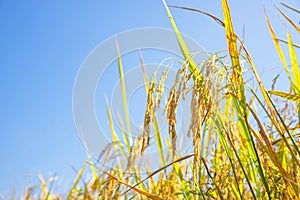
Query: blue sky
{"points": [[42, 46]]}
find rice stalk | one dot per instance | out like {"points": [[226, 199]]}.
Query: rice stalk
{"points": [[155, 122]]}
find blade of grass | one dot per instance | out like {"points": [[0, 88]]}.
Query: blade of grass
{"points": [[79, 175], [184, 49], [45, 191], [200, 11], [295, 70], [289, 20], [289, 96], [115, 137], [50, 188], [278, 48], [283, 41], [295, 66], [234, 53], [291, 8], [128, 137]]}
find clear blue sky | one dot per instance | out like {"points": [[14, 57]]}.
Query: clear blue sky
{"points": [[43, 44]]}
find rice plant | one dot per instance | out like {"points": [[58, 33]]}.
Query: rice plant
{"points": [[245, 139]]}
